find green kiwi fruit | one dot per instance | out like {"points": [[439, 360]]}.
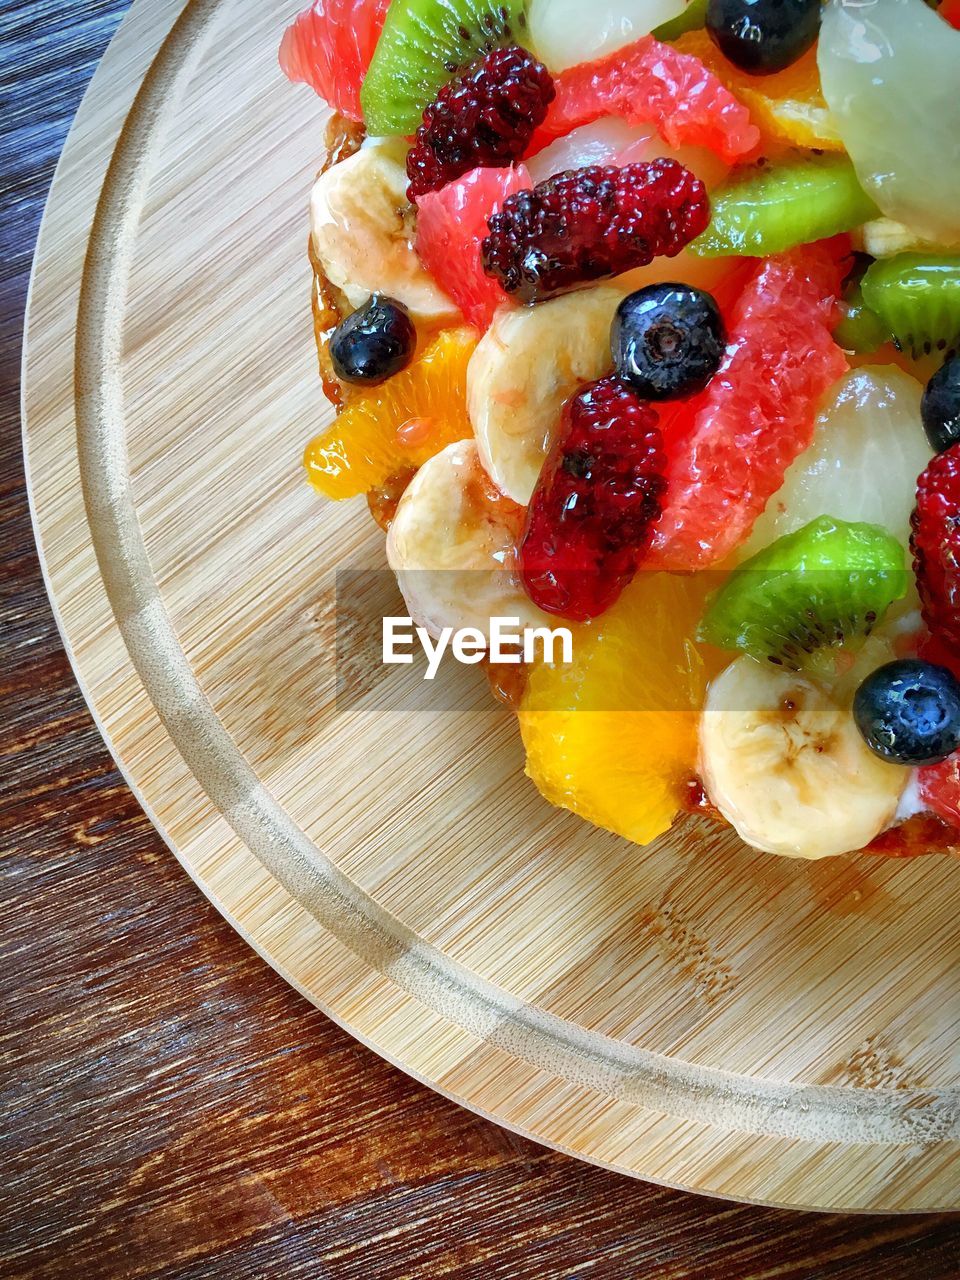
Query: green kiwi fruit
{"points": [[917, 297], [828, 583], [773, 208], [424, 43], [860, 330]]}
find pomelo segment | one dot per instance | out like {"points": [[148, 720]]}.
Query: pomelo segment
{"points": [[452, 223], [564, 33], [890, 72], [729, 448], [650, 82], [330, 46]]}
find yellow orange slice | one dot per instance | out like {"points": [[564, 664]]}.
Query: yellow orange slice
{"points": [[398, 425], [613, 736]]}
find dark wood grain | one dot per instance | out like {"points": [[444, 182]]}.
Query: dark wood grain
{"points": [[170, 1107]]}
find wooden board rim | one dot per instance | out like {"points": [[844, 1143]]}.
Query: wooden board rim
{"points": [[163, 677]]}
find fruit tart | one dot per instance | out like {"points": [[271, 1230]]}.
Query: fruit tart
{"points": [[642, 318]]}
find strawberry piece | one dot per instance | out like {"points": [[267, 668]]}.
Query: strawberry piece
{"points": [[451, 226], [729, 447], [329, 47], [652, 83], [936, 548], [950, 9]]}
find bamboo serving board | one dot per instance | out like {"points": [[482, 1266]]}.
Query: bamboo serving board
{"points": [[695, 1014]]}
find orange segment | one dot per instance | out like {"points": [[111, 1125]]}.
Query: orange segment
{"points": [[787, 107], [398, 425], [613, 735]]}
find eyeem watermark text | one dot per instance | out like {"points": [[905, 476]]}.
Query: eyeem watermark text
{"points": [[506, 641]]}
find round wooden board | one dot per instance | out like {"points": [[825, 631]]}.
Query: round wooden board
{"points": [[695, 1014]]}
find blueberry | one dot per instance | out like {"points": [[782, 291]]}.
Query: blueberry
{"points": [[763, 36], [374, 342], [909, 712], [667, 340], [940, 406]]}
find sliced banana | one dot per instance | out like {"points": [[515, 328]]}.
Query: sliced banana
{"points": [[452, 546], [363, 230], [884, 238], [526, 365], [785, 765]]}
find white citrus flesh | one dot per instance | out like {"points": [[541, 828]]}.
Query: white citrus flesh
{"points": [[786, 766], [566, 32], [868, 449], [613, 141], [890, 71]]}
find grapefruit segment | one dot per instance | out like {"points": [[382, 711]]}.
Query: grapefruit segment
{"points": [[451, 224], [329, 47], [728, 448], [650, 82]]}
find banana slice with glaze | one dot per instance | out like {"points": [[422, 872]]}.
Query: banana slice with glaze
{"points": [[452, 546], [786, 766], [363, 227], [528, 363]]}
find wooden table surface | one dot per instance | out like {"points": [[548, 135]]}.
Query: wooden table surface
{"points": [[170, 1107]]}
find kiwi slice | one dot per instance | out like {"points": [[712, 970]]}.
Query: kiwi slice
{"points": [[860, 330], [828, 583], [917, 296], [424, 43], [771, 209], [693, 17]]}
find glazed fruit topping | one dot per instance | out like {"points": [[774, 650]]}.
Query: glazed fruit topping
{"points": [[485, 118], [917, 298], [936, 546], [909, 712], [667, 340], [329, 47], [588, 223], [451, 225], [598, 496], [889, 72], [763, 36], [940, 406], [772, 208], [730, 449], [641, 681], [388, 429], [375, 342], [423, 44], [653, 83], [829, 583], [788, 108]]}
